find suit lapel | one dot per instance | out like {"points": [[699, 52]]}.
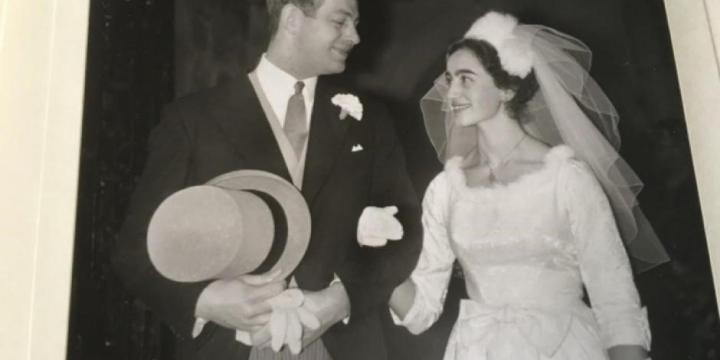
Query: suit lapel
{"points": [[327, 132], [243, 121]]}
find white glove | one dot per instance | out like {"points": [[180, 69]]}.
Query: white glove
{"points": [[378, 225], [287, 320]]}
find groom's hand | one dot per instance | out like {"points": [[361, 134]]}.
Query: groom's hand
{"points": [[378, 225], [329, 305], [239, 304]]}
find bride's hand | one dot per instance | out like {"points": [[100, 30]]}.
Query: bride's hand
{"points": [[402, 298]]}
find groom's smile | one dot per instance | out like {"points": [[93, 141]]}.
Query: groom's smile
{"points": [[327, 37]]}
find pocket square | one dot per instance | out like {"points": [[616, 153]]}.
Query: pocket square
{"points": [[356, 148]]}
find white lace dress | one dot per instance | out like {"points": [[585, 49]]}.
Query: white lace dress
{"points": [[526, 249]]}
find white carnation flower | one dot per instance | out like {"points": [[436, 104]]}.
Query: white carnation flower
{"points": [[349, 104]]}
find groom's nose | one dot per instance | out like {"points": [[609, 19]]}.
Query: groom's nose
{"points": [[352, 35]]}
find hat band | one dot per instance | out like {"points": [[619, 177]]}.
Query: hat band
{"points": [[280, 236]]}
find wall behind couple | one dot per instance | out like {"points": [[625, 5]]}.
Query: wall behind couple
{"points": [[143, 53]]}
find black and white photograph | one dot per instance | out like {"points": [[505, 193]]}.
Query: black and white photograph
{"points": [[386, 179]]}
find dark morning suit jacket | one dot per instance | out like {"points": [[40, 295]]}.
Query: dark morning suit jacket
{"points": [[224, 129]]}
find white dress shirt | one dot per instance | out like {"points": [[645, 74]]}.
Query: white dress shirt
{"points": [[278, 86]]}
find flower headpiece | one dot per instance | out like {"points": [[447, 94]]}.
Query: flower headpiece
{"points": [[499, 30]]}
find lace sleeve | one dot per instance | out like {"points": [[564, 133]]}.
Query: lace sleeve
{"points": [[432, 274], [604, 264]]}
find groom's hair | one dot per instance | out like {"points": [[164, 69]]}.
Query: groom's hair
{"points": [[274, 7]]}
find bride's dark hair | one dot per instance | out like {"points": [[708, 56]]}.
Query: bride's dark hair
{"points": [[524, 88]]}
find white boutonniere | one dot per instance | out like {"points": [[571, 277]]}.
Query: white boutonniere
{"points": [[349, 104]]}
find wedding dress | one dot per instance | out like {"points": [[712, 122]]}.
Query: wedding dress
{"points": [[528, 250]]}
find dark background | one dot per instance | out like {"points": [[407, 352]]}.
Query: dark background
{"points": [[144, 53]]}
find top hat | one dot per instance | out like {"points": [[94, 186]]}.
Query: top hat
{"points": [[242, 222]]}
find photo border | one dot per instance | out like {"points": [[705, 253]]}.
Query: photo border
{"points": [[695, 35], [42, 78], [42, 72]]}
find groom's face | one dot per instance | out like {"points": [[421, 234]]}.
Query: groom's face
{"points": [[326, 38]]}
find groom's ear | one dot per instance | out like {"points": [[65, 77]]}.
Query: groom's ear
{"points": [[291, 18]]}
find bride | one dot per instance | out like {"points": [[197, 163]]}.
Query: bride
{"points": [[534, 203]]}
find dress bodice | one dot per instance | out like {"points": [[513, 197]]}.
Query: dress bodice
{"points": [[514, 233]]}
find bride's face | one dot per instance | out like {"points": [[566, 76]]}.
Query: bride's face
{"points": [[472, 93]]}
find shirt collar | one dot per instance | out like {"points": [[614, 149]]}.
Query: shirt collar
{"points": [[278, 84]]}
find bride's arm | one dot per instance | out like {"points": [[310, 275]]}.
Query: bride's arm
{"points": [[418, 301], [604, 266]]}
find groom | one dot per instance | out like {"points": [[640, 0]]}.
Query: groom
{"points": [[280, 119]]}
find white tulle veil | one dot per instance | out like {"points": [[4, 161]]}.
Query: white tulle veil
{"points": [[569, 108]]}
